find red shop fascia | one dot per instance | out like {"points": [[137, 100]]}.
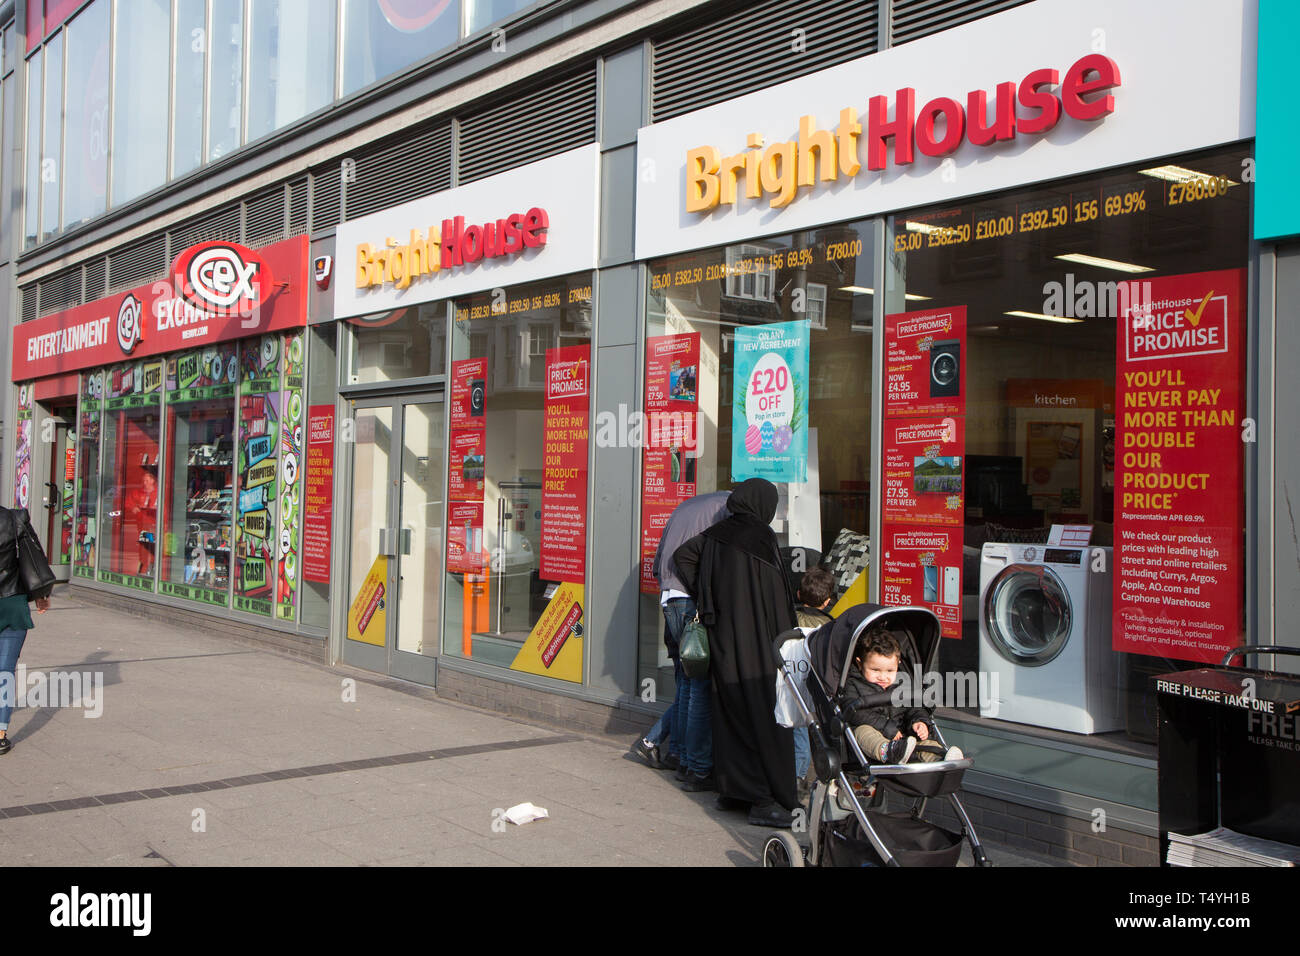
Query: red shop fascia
{"points": [[214, 292]]}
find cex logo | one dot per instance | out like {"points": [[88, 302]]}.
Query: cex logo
{"points": [[129, 328], [222, 277]]}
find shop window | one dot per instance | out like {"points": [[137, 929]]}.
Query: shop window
{"points": [[258, 475], [405, 343], [86, 530], [51, 148], [291, 61], [482, 13], [225, 78], [1074, 295], [517, 478], [381, 37], [189, 58], [129, 487], [141, 36], [198, 490], [85, 191], [706, 312], [32, 143]]}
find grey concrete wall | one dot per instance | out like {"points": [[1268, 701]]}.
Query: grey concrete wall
{"points": [[612, 574]]}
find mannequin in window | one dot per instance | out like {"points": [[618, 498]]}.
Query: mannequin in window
{"points": [[142, 506]]}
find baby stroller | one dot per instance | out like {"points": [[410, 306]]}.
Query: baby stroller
{"points": [[847, 824]]}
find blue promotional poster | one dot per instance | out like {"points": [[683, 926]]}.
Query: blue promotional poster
{"points": [[769, 419]]}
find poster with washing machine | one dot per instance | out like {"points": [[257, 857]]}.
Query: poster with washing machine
{"points": [[925, 362], [921, 567], [1180, 373], [922, 470], [466, 466]]}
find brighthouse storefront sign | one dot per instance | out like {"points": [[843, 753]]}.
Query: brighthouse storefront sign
{"points": [[1051, 89], [530, 223]]}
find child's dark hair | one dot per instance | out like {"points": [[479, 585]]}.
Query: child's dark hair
{"points": [[817, 587], [877, 640]]}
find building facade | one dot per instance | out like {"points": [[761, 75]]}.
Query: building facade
{"points": [[390, 334]]}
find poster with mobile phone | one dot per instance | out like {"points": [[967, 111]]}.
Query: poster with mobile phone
{"points": [[921, 567]]}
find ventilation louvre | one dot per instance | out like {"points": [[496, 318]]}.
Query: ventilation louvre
{"points": [[264, 217], [138, 263], [527, 127], [325, 197], [221, 224], [409, 166], [914, 19], [754, 48]]}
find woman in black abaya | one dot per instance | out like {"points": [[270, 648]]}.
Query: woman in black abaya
{"points": [[736, 575]]}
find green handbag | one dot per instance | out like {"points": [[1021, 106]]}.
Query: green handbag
{"points": [[694, 649]]}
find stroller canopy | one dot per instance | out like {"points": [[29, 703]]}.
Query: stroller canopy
{"points": [[916, 629]]}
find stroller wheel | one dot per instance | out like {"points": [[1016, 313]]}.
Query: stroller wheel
{"points": [[782, 850]]}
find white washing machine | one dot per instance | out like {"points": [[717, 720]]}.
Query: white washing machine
{"points": [[1045, 625]]}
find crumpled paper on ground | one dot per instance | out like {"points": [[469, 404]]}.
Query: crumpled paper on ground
{"points": [[522, 813]]}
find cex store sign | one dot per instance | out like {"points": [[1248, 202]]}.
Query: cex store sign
{"points": [[1047, 90], [214, 292], [534, 222]]}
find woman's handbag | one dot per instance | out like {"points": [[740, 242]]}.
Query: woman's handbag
{"points": [[694, 649], [33, 567]]}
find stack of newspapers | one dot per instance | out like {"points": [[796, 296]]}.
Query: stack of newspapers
{"points": [[1224, 847]]}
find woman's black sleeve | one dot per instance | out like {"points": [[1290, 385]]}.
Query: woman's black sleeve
{"points": [[687, 560]]}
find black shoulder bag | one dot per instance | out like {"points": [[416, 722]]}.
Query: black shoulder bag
{"points": [[33, 567]]}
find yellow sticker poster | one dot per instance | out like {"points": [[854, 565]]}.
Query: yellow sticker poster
{"points": [[554, 646], [366, 620], [854, 594]]}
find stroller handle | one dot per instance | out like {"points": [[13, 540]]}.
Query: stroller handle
{"points": [[1246, 649]]}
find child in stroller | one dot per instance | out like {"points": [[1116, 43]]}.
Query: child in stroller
{"points": [[878, 725], [847, 823]]}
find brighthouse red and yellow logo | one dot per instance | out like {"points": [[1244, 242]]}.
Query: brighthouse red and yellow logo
{"points": [[453, 245]]}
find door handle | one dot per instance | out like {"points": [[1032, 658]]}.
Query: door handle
{"points": [[52, 499], [404, 540]]}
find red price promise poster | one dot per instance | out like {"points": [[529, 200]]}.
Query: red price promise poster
{"points": [[668, 460], [564, 464], [922, 568], [925, 362], [1179, 513], [923, 470]]}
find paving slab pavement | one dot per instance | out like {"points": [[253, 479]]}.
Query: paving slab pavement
{"points": [[209, 753]]}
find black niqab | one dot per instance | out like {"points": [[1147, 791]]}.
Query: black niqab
{"points": [[744, 598]]}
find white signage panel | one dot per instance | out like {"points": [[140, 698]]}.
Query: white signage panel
{"points": [[534, 222], [1186, 81]]}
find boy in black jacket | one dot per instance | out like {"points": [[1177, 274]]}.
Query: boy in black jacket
{"points": [[885, 732]]}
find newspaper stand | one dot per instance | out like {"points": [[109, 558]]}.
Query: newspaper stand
{"points": [[1229, 751]]}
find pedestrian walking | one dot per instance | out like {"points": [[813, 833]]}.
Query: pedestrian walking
{"points": [[687, 722], [25, 576]]}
